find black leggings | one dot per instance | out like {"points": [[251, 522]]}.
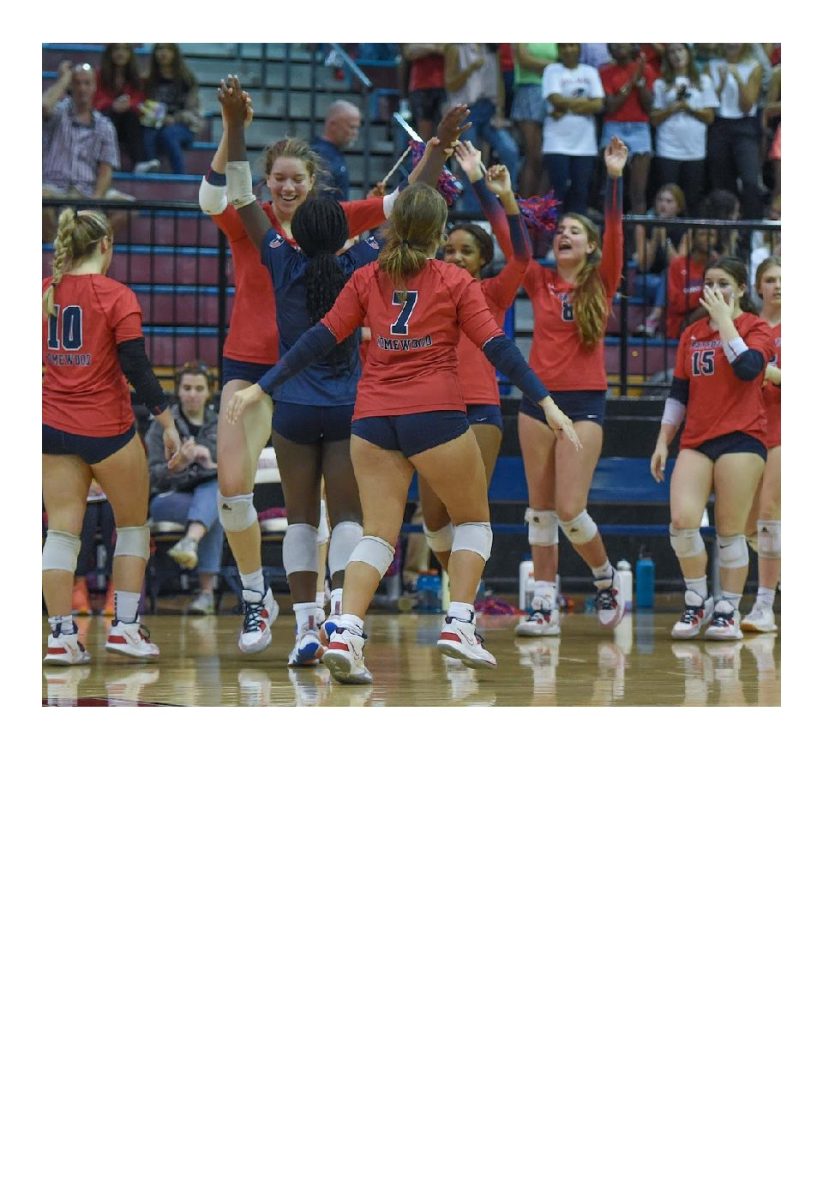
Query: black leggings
{"points": [[690, 176]]}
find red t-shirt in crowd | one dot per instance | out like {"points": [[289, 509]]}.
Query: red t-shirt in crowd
{"points": [[478, 378], [427, 72], [557, 355], [84, 389], [412, 361], [613, 77], [683, 291], [719, 402], [252, 335], [771, 397]]}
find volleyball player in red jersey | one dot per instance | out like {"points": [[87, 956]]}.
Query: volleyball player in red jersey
{"points": [[571, 304], [251, 348], [92, 337], [410, 415], [469, 246], [717, 387], [765, 514]]}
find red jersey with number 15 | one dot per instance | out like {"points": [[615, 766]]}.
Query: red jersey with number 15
{"points": [[84, 389], [719, 402], [412, 361], [557, 355]]}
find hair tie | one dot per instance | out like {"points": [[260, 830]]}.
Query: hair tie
{"points": [[404, 242]]}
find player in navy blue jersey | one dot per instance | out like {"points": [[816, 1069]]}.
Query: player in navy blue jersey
{"points": [[312, 419]]}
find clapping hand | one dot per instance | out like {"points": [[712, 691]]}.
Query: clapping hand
{"points": [[616, 156], [470, 159]]}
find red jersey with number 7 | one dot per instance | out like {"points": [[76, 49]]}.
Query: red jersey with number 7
{"points": [[84, 389], [719, 402], [412, 361]]}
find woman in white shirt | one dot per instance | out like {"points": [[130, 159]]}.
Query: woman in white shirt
{"points": [[683, 107], [734, 138], [573, 93]]}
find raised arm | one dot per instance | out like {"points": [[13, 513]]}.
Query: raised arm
{"points": [[611, 267], [238, 172], [53, 95]]}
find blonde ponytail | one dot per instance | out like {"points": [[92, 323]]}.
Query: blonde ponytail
{"points": [[77, 235], [414, 232]]}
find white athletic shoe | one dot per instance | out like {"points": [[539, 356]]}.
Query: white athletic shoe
{"points": [[610, 603], [259, 614], [344, 656], [541, 622], [460, 639], [184, 553], [308, 649], [760, 619], [66, 650], [696, 615], [132, 640], [725, 624]]}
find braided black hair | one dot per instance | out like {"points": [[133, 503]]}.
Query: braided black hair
{"points": [[320, 229]]}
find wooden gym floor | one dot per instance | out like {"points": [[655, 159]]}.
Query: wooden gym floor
{"points": [[637, 665]]}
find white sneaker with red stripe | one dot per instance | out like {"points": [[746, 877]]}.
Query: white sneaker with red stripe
{"points": [[344, 655], [542, 621], [132, 640], [460, 639], [696, 615], [66, 650], [259, 614], [725, 624], [610, 603]]}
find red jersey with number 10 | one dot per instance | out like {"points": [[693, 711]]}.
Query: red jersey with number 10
{"points": [[719, 402], [84, 389], [412, 361]]}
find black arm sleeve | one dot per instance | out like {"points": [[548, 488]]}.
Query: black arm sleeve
{"points": [[136, 367], [749, 364], [316, 343], [504, 355], [679, 390]]}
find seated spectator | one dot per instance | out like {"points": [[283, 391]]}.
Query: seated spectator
{"points": [[684, 103], [682, 287], [187, 493], [340, 132], [171, 111], [627, 83], [119, 97], [656, 246], [99, 520], [79, 144], [529, 108], [473, 78], [574, 93], [721, 205], [427, 85]]}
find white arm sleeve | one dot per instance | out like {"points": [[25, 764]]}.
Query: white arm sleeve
{"points": [[734, 348], [238, 178], [390, 201], [673, 413], [212, 198]]}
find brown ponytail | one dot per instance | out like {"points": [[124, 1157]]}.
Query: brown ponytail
{"points": [[591, 307], [77, 235], [415, 230]]}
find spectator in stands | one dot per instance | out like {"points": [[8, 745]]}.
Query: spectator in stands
{"points": [[79, 144], [735, 135], [171, 111], [627, 84], [186, 491], [340, 132], [571, 307], [718, 389], [764, 518], [720, 205], [473, 78], [681, 288], [771, 122], [594, 54], [683, 107], [427, 84], [98, 530], [657, 246], [529, 108], [574, 94], [92, 337], [119, 97]]}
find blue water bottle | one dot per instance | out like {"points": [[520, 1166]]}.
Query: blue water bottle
{"points": [[428, 592], [644, 581]]}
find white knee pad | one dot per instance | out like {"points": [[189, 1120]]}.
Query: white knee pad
{"points": [[686, 542], [543, 526], [300, 549], [236, 512], [344, 538], [440, 539], [579, 529], [60, 551], [132, 540], [323, 524], [768, 539], [473, 535], [732, 550], [375, 552]]}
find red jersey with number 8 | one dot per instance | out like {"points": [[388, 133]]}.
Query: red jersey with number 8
{"points": [[84, 389], [719, 402]]}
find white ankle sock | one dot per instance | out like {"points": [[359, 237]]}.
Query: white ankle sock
{"points": [[304, 615], [61, 625], [766, 596], [126, 605], [336, 601], [699, 586], [546, 590], [603, 575], [254, 582], [351, 622], [732, 598], [463, 612]]}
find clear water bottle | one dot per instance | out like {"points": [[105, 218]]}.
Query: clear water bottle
{"points": [[644, 596], [526, 584], [624, 571]]}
